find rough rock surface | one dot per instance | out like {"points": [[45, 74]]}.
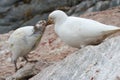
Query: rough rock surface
{"points": [[92, 5], [90, 63], [15, 13], [52, 49], [28, 71], [110, 17], [18, 13]]}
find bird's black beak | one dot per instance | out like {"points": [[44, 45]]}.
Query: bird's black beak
{"points": [[50, 21]]}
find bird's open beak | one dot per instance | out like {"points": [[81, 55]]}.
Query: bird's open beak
{"points": [[50, 21]]}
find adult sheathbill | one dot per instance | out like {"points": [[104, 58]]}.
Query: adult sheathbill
{"points": [[78, 32]]}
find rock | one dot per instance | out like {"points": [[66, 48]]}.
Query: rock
{"points": [[29, 70], [110, 17], [52, 49], [4, 44], [92, 6], [91, 9], [5, 28], [4, 22], [114, 3], [90, 63], [34, 20], [101, 5], [17, 11], [81, 8], [5, 3], [2, 79], [4, 9]]}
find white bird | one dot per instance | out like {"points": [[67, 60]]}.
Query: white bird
{"points": [[77, 32], [24, 39]]}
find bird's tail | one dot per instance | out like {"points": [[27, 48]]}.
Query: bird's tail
{"points": [[111, 33], [106, 35]]}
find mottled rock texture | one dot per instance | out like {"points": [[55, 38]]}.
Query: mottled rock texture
{"points": [[18, 13], [90, 63], [52, 50]]}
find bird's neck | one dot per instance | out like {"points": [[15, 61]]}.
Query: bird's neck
{"points": [[58, 25], [60, 20]]}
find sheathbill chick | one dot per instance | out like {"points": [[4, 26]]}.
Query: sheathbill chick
{"points": [[24, 39]]}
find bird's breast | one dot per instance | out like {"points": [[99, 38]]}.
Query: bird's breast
{"points": [[69, 36], [75, 36]]}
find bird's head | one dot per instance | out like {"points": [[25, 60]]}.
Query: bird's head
{"points": [[40, 26], [56, 16]]}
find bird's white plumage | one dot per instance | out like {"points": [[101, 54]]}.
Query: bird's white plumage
{"points": [[25, 39], [77, 31], [22, 41]]}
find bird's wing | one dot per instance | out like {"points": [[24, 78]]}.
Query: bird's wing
{"points": [[103, 36]]}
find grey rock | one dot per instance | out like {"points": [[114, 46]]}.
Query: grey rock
{"points": [[14, 11], [73, 2], [35, 19], [29, 70], [81, 8], [105, 5], [26, 12], [89, 6], [5, 3], [92, 6], [90, 63], [101, 5], [32, 21], [91, 9], [114, 3], [2, 79], [19, 13], [5, 29], [4, 9], [4, 22]]}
